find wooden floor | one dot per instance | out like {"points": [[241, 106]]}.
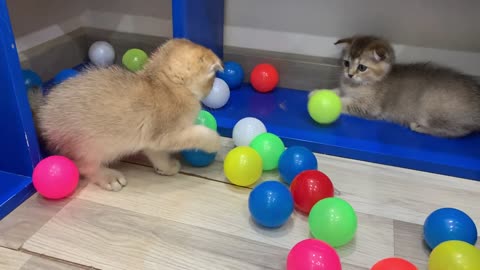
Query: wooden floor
{"points": [[197, 220]]}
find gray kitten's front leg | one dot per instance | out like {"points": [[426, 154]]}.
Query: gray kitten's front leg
{"points": [[360, 107]]}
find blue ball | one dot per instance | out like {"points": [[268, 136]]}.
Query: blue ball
{"points": [[31, 79], [295, 160], [232, 74], [64, 75], [270, 204], [198, 158], [449, 224]]}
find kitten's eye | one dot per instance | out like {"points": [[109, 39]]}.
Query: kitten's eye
{"points": [[362, 68], [346, 63]]}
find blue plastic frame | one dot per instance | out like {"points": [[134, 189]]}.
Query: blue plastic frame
{"points": [[200, 21], [18, 141]]}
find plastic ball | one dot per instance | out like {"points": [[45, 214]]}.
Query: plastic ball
{"points": [[101, 53], [134, 59], [242, 166], [246, 130], [218, 96], [65, 75], [449, 224], [454, 255], [31, 79], [55, 177], [334, 221], [198, 158], [264, 78], [394, 264], [309, 187], [232, 74], [206, 119], [295, 160], [270, 204], [313, 254], [324, 107], [270, 147]]}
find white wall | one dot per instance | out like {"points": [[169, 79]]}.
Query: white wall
{"points": [[447, 24], [444, 31]]}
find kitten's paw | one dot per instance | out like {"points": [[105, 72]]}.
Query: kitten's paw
{"points": [[209, 140], [112, 180], [168, 167], [312, 93], [347, 103], [414, 126]]}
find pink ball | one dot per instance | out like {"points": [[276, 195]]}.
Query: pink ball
{"points": [[313, 254], [55, 177]]}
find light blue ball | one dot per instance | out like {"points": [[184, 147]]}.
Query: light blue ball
{"points": [[449, 224], [198, 158], [31, 79], [64, 75], [232, 74], [295, 160], [270, 204]]}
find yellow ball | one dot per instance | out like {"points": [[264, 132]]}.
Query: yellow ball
{"points": [[454, 255], [243, 166]]}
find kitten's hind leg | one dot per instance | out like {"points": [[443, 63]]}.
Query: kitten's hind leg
{"points": [[163, 162], [109, 179], [94, 171]]}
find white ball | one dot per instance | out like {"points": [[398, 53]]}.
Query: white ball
{"points": [[246, 130], [101, 53], [219, 95]]}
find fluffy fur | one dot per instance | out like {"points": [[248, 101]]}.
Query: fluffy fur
{"points": [[426, 97], [104, 114]]}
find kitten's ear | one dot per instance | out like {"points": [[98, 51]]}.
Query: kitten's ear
{"points": [[380, 53], [216, 67], [344, 40]]}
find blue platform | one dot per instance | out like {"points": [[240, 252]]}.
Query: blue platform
{"points": [[284, 112]]}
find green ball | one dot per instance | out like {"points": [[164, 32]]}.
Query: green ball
{"points": [[334, 221], [270, 147], [324, 106], [206, 119], [134, 59]]}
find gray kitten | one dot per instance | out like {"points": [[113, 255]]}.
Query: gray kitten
{"points": [[425, 97]]}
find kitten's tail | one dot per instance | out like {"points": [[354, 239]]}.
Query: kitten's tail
{"points": [[36, 99]]}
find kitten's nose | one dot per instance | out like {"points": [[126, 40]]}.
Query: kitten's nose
{"points": [[350, 75]]}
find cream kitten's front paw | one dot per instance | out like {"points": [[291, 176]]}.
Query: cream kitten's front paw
{"points": [[208, 139], [163, 162], [110, 179], [168, 167]]}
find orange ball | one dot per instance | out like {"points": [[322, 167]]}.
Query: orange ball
{"points": [[394, 264]]}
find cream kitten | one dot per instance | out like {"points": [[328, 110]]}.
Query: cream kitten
{"points": [[425, 97], [104, 114]]}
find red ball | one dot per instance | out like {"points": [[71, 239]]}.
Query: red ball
{"points": [[309, 187], [394, 264], [264, 78]]}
